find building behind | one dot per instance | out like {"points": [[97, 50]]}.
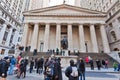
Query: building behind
{"points": [[10, 24]]}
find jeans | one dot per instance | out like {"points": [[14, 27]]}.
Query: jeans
{"points": [[11, 69], [82, 75]]}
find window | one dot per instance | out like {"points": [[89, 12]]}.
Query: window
{"points": [[2, 51], [110, 14], [113, 36], [118, 19], [110, 25], [11, 39], [113, 10], [5, 36], [19, 39]]}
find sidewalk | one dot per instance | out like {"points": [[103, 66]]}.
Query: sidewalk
{"points": [[109, 70]]}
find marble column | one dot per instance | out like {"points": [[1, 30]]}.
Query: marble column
{"points": [[9, 36], [93, 38], [2, 32], [58, 36], [34, 39], [82, 38], [70, 38], [46, 38], [104, 39], [25, 35]]}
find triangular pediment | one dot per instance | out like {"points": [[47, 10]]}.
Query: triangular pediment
{"points": [[63, 9]]}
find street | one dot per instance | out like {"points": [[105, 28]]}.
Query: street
{"points": [[89, 76]]}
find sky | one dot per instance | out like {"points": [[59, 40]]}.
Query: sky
{"points": [[58, 2]]}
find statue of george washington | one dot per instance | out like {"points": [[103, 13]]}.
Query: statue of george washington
{"points": [[64, 43]]}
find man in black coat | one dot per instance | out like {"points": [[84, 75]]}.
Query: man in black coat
{"points": [[81, 69], [57, 70], [4, 68]]}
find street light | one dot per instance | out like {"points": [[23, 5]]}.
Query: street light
{"points": [[86, 46]]}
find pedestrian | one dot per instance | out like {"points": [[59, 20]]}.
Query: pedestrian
{"points": [[12, 65], [115, 66], [119, 67], [81, 69], [57, 69], [41, 65], [98, 64], [31, 65], [91, 64], [57, 51], [87, 60], [4, 64], [23, 66], [49, 74], [103, 63], [106, 64], [45, 65], [72, 72]]}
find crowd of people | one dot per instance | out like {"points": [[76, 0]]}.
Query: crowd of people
{"points": [[103, 63], [50, 67]]}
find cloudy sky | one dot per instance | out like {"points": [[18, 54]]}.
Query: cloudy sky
{"points": [[58, 2]]}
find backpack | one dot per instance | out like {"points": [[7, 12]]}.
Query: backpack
{"points": [[74, 72], [50, 69]]}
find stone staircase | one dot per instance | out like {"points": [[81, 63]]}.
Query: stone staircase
{"points": [[94, 56], [99, 56], [38, 55]]}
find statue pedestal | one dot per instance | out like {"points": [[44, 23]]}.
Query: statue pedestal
{"points": [[65, 60], [65, 53]]}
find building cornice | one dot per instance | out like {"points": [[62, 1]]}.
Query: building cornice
{"points": [[66, 15], [113, 16]]}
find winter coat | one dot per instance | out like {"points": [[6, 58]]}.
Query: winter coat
{"points": [[57, 70], [68, 72]]}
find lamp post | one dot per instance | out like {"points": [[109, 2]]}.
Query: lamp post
{"points": [[86, 46]]}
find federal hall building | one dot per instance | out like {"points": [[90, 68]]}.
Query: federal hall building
{"points": [[83, 29]]}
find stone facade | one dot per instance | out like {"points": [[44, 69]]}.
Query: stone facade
{"points": [[84, 29], [113, 26], [10, 24], [99, 5]]}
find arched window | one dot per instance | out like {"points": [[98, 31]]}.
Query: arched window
{"points": [[113, 36]]}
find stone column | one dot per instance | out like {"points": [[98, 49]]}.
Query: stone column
{"points": [[58, 36], [104, 39], [70, 38], [9, 36], [93, 38], [2, 32], [25, 35], [81, 38], [46, 37], [34, 39]]}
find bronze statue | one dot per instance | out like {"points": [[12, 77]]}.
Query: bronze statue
{"points": [[64, 43]]}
